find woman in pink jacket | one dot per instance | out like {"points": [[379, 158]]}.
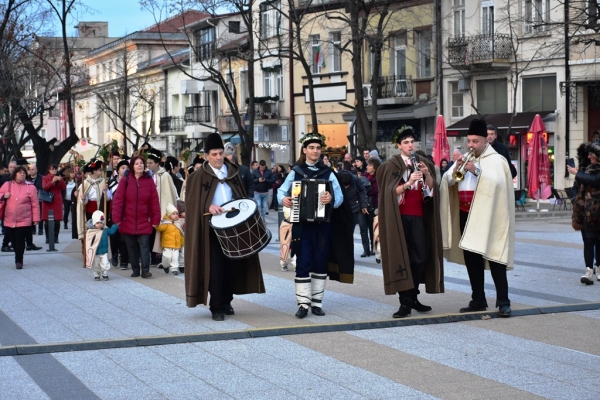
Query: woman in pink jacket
{"points": [[136, 210], [21, 210]]}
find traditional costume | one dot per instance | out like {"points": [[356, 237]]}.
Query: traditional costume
{"points": [[409, 232], [90, 195], [478, 222], [317, 255], [206, 267]]}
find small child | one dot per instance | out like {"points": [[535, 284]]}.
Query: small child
{"points": [[97, 245], [171, 240]]}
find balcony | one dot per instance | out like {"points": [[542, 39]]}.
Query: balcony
{"points": [[197, 114], [480, 52], [171, 124], [392, 89], [267, 112]]}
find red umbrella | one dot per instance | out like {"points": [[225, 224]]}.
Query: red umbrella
{"points": [[538, 173], [441, 149]]}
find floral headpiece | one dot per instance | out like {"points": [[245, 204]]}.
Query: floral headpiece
{"points": [[313, 137], [402, 132]]}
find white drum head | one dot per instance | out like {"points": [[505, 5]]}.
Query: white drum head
{"points": [[243, 209]]}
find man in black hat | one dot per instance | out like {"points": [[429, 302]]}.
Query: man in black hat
{"points": [[409, 225], [207, 269], [478, 218]]}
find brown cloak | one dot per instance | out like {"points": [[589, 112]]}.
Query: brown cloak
{"points": [[397, 275], [200, 189]]}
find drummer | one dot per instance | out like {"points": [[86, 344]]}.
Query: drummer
{"points": [[206, 267]]}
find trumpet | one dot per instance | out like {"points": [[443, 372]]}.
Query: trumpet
{"points": [[459, 173]]}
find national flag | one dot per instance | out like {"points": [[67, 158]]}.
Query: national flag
{"points": [[319, 57]]}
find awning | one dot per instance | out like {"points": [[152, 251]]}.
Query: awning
{"points": [[415, 111], [501, 121]]}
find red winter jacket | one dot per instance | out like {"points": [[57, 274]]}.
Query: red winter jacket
{"points": [[135, 205], [23, 207]]}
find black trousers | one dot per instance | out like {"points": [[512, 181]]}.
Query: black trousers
{"points": [[222, 276], [476, 270], [155, 258], [56, 228], [138, 246], [6, 240], [415, 235], [66, 211], [17, 237], [118, 246]]}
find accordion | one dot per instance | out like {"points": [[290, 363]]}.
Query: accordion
{"points": [[306, 201]]}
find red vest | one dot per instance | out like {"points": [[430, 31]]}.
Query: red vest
{"points": [[413, 202], [465, 198]]}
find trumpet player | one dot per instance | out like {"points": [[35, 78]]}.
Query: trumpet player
{"points": [[409, 226], [478, 218]]}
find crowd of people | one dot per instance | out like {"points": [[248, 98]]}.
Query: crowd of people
{"points": [[131, 213]]}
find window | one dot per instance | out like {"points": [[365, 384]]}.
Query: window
{"points": [[270, 19], [539, 93], [537, 12], [279, 83], [234, 26], [487, 18], [457, 100], [492, 96], [316, 54], [459, 18], [273, 82], [592, 14], [205, 44], [423, 41], [336, 51], [244, 88], [400, 55], [269, 81]]}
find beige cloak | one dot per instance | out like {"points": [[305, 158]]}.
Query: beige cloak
{"points": [[490, 228], [167, 193]]}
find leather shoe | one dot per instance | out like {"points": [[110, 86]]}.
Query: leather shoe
{"points": [[505, 311], [135, 274], [146, 274], [364, 254], [20, 266], [229, 310], [472, 309], [7, 249], [403, 312], [114, 261], [302, 312], [318, 311], [417, 306], [33, 247], [218, 316]]}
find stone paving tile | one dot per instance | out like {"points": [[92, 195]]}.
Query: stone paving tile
{"points": [[128, 392], [16, 384]]}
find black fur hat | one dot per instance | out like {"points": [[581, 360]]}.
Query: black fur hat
{"points": [[124, 161], [212, 142], [583, 151], [478, 127]]}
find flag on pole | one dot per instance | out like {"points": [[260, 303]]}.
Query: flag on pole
{"points": [[319, 57]]}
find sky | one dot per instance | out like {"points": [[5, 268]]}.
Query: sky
{"points": [[123, 16]]}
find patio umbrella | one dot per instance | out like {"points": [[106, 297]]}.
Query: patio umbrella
{"points": [[538, 173], [441, 149]]}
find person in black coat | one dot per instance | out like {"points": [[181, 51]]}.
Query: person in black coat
{"points": [[244, 173], [357, 197], [492, 138], [172, 167], [263, 181]]}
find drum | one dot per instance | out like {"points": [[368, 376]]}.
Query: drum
{"points": [[242, 231]]}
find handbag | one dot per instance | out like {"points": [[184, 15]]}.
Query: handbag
{"points": [[46, 197], [3, 204]]}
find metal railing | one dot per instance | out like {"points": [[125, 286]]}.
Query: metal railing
{"points": [[197, 114], [267, 110], [466, 50], [204, 51], [393, 86], [171, 124]]}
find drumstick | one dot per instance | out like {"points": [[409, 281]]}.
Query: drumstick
{"points": [[232, 209]]}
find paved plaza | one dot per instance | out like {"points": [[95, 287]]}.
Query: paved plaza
{"points": [[65, 336]]}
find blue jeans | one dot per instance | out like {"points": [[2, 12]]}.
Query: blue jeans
{"points": [[262, 199]]}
